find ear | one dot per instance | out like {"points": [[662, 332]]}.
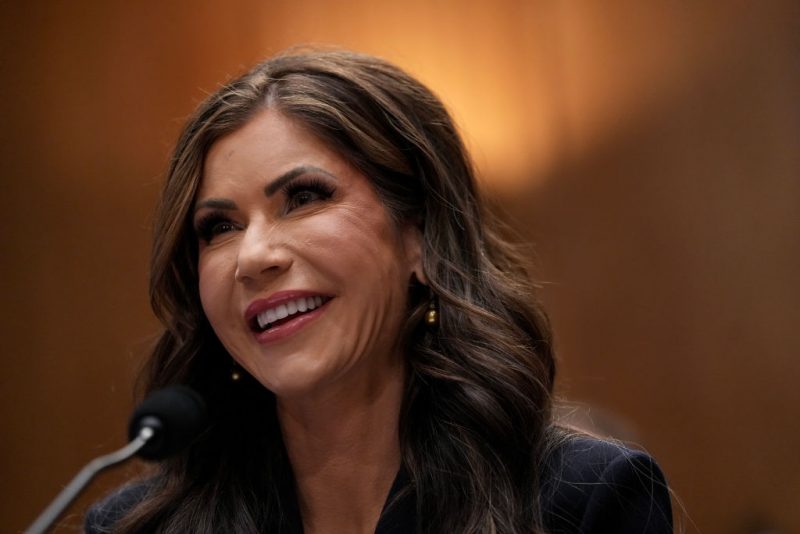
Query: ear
{"points": [[412, 245]]}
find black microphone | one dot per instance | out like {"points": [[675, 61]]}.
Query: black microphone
{"points": [[176, 414], [165, 422]]}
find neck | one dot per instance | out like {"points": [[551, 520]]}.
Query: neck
{"points": [[345, 451]]}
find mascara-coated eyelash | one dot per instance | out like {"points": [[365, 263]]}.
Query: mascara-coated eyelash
{"points": [[306, 190], [212, 225]]}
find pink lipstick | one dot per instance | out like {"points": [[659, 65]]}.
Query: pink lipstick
{"points": [[284, 313]]}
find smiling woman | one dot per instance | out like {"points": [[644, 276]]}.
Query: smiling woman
{"points": [[298, 223], [371, 350]]}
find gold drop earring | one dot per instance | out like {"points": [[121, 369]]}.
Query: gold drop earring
{"points": [[236, 372], [432, 315]]}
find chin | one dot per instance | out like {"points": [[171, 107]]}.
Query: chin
{"points": [[295, 380]]}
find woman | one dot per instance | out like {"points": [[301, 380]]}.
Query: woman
{"points": [[330, 283]]}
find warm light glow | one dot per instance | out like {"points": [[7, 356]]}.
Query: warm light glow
{"points": [[476, 56]]}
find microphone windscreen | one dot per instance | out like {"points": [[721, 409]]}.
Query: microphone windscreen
{"points": [[177, 414]]}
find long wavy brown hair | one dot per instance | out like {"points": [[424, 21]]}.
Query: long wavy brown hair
{"points": [[477, 407]]}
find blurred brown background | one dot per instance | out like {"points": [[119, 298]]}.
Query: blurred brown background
{"points": [[649, 150]]}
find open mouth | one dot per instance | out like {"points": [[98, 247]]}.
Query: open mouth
{"points": [[285, 312]]}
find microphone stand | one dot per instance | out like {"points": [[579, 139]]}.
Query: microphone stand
{"points": [[68, 494]]}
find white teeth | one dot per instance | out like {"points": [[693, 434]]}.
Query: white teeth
{"points": [[289, 308], [281, 312]]}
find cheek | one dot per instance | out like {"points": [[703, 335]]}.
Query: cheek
{"points": [[357, 241], [214, 285], [365, 257]]}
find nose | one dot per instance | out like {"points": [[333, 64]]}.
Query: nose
{"points": [[262, 253]]}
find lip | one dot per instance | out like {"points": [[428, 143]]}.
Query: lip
{"points": [[290, 327]]}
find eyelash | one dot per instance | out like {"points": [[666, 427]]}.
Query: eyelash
{"points": [[209, 226], [216, 223], [320, 189]]}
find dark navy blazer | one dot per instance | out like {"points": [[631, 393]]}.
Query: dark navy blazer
{"points": [[587, 486]]}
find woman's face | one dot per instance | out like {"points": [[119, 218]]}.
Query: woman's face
{"points": [[303, 275]]}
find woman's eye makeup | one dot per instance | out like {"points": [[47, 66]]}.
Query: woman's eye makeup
{"points": [[305, 190], [213, 224], [297, 193]]}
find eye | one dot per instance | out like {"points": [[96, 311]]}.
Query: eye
{"points": [[212, 225], [301, 192]]}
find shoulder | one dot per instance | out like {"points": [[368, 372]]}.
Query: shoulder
{"points": [[101, 516], [590, 485]]}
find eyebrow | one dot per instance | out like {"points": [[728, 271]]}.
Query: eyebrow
{"points": [[274, 186], [269, 190], [216, 203]]}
